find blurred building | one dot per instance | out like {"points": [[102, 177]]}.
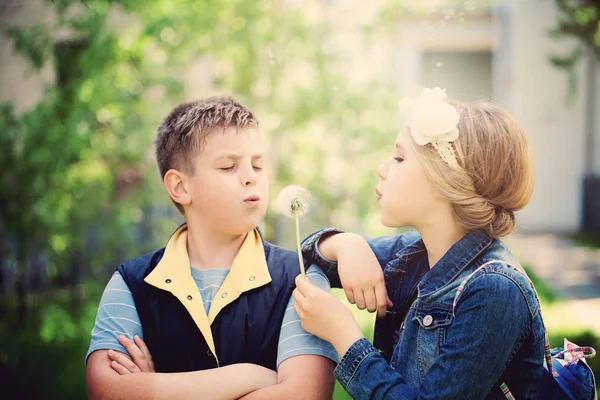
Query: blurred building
{"points": [[497, 50], [500, 50]]}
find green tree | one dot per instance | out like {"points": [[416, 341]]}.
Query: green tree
{"points": [[77, 180], [579, 19]]}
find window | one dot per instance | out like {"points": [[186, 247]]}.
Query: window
{"points": [[465, 75]]}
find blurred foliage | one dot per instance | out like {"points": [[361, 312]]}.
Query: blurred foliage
{"points": [[578, 19], [49, 348], [77, 176], [543, 289], [79, 189], [587, 240]]}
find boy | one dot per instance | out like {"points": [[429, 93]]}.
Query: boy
{"points": [[214, 306]]}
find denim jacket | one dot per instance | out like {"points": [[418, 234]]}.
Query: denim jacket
{"points": [[493, 334]]}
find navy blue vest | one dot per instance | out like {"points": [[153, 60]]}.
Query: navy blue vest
{"points": [[245, 331]]}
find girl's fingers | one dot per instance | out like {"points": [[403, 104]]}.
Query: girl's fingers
{"points": [[383, 301], [370, 300], [359, 297], [350, 296]]}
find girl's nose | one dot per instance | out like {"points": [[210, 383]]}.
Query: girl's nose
{"points": [[382, 171]]}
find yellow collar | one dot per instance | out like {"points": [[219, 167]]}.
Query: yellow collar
{"points": [[173, 274]]}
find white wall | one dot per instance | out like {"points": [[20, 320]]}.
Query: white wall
{"points": [[535, 93], [523, 82], [596, 113], [416, 37]]}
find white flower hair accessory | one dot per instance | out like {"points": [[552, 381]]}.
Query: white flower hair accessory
{"points": [[431, 119]]}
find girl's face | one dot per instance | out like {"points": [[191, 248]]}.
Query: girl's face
{"points": [[405, 194]]}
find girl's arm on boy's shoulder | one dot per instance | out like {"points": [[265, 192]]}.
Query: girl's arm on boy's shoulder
{"points": [[326, 246], [355, 264], [312, 254]]}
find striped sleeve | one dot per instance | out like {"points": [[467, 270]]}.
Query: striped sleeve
{"points": [[116, 316], [293, 339]]}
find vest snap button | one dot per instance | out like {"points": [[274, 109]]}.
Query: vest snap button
{"points": [[252, 278], [168, 281], [428, 320], [224, 295], [189, 297], [209, 353]]}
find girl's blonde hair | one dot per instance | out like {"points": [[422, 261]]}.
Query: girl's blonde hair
{"points": [[495, 176]]}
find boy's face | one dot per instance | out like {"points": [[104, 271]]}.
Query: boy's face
{"points": [[229, 189]]}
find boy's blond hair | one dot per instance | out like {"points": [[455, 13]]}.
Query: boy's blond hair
{"points": [[495, 177]]}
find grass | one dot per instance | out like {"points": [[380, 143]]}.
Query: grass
{"points": [[587, 240], [543, 289]]}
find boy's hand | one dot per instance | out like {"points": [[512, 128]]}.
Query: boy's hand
{"points": [[141, 359], [360, 273]]}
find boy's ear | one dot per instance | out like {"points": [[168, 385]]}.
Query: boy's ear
{"points": [[175, 183]]}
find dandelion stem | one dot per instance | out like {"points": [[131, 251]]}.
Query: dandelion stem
{"points": [[298, 245]]}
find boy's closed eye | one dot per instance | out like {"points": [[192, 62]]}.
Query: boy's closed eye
{"points": [[232, 167]]}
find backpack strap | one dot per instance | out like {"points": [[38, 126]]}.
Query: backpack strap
{"points": [[462, 285], [586, 352], [547, 353]]}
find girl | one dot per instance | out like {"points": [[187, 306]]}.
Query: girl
{"points": [[463, 320]]}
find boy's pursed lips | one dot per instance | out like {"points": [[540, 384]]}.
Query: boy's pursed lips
{"points": [[252, 200]]}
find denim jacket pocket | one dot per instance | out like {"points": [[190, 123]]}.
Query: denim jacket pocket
{"points": [[433, 320], [433, 316]]}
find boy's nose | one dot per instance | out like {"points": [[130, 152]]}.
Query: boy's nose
{"points": [[250, 179]]}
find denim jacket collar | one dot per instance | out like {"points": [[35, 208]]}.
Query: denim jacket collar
{"points": [[414, 244], [456, 259]]}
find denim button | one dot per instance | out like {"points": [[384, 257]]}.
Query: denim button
{"points": [[428, 320]]}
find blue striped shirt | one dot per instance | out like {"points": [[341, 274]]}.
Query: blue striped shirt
{"points": [[117, 315]]}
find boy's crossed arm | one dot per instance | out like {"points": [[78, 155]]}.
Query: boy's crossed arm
{"points": [[299, 377], [118, 319], [230, 382], [110, 373]]}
